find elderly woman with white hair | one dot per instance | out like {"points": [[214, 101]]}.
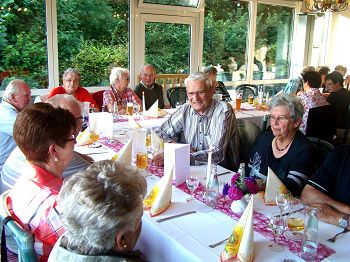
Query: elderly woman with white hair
{"points": [[119, 91], [101, 210], [285, 150]]}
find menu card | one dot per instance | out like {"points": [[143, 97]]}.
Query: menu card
{"points": [[177, 156]]}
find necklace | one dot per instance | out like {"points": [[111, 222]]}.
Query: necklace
{"points": [[284, 148]]}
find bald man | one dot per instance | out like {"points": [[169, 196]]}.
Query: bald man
{"points": [[152, 90], [15, 98]]}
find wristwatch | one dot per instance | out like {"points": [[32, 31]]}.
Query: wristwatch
{"points": [[344, 221]]}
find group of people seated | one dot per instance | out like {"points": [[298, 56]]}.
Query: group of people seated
{"points": [[79, 211]]}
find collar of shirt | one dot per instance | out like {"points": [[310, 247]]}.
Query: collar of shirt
{"points": [[209, 111], [148, 87], [6, 104], [45, 179]]}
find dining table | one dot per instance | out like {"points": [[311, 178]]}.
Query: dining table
{"points": [[187, 238]]}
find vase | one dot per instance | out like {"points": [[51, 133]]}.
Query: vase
{"points": [[238, 206]]}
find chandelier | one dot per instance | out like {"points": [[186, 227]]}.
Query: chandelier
{"points": [[326, 5]]}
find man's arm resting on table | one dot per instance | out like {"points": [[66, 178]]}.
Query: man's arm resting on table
{"points": [[329, 210]]}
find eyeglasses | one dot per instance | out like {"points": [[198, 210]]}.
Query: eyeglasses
{"points": [[329, 83], [200, 93], [70, 139], [279, 119]]}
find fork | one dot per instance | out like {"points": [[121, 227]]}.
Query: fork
{"points": [[218, 243], [332, 239]]}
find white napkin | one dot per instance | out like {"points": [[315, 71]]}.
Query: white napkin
{"points": [[125, 154], [273, 187], [241, 242], [84, 138], [153, 110], [133, 124], [156, 141]]}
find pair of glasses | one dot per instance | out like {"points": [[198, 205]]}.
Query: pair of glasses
{"points": [[280, 119], [70, 139], [201, 93]]}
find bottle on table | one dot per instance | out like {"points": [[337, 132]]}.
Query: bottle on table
{"points": [[310, 239], [212, 190]]}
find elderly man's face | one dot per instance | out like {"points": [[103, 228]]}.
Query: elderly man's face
{"points": [[76, 112], [71, 83], [199, 95], [22, 99], [148, 76]]}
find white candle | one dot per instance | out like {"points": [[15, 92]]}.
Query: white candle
{"points": [[143, 103], [210, 152]]}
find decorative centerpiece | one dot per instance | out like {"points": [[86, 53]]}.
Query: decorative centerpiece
{"points": [[239, 187]]}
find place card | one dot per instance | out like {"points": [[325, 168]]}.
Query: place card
{"points": [[101, 123], [177, 156]]}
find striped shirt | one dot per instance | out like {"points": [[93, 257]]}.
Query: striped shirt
{"points": [[217, 126], [33, 203]]}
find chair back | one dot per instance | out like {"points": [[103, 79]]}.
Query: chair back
{"points": [[24, 239], [247, 90], [322, 148], [322, 122], [176, 94], [98, 96], [248, 133]]}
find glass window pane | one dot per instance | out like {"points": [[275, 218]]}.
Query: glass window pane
{"points": [[273, 42], [23, 43], [225, 38], [92, 37], [167, 47], [188, 3]]}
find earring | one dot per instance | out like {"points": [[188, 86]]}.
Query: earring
{"points": [[125, 246], [55, 159]]}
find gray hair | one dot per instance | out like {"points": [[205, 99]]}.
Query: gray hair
{"points": [[12, 88], [71, 71], [116, 74], [196, 76], [291, 101], [210, 70], [61, 100], [149, 65], [98, 203]]}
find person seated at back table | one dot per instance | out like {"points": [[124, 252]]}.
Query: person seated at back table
{"points": [[101, 210], [119, 91], [219, 87], [45, 135], [311, 97], [71, 86], [285, 150], [15, 98], [203, 121], [323, 71], [296, 84], [328, 189], [152, 90], [16, 162], [339, 97]]}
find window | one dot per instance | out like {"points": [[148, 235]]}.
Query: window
{"points": [[188, 3], [23, 43]]}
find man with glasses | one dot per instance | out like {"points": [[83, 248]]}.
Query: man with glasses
{"points": [[16, 162], [339, 97], [152, 91], [15, 98], [201, 122]]}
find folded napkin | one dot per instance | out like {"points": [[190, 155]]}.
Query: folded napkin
{"points": [[133, 124], [273, 187], [125, 154], [241, 242], [84, 138], [153, 110], [159, 199]]}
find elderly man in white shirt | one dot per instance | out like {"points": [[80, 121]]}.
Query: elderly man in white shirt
{"points": [[201, 122], [15, 98]]}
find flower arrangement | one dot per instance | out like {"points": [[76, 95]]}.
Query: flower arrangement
{"points": [[240, 186]]}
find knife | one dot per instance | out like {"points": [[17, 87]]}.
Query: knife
{"points": [[175, 216], [224, 173], [292, 212]]}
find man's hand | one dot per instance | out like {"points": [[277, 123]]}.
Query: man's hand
{"points": [[328, 214], [158, 159]]}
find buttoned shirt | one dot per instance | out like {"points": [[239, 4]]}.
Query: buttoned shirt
{"points": [[33, 203], [310, 99], [8, 114], [216, 126], [127, 96]]}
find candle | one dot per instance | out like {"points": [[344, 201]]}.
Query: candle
{"points": [[210, 152], [143, 103]]}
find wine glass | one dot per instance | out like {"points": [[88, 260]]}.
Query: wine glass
{"points": [[282, 201], [295, 220], [277, 225], [136, 109], [192, 183]]}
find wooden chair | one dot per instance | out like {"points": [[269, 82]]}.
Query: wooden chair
{"points": [[322, 123], [24, 239], [171, 80]]}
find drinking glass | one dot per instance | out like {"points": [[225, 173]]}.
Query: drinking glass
{"points": [[142, 160], [295, 220], [282, 201], [129, 108], [277, 225], [136, 109], [192, 183], [239, 96]]}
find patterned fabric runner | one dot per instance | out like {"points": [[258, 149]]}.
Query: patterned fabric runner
{"points": [[224, 205]]}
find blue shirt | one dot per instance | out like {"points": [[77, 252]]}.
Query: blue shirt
{"points": [[8, 114]]}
